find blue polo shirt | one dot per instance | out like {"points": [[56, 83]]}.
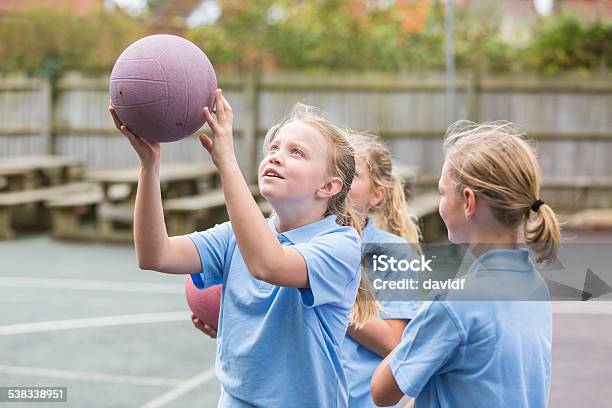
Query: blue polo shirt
{"points": [[359, 362], [481, 353], [279, 346]]}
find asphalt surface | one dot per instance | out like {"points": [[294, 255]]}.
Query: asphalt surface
{"points": [[85, 317]]}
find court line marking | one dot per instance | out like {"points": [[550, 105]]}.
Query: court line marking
{"points": [[104, 321], [90, 376], [590, 308], [85, 284], [181, 389]]}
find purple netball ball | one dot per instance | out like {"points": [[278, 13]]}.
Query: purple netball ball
{"points": [[159, 86]]}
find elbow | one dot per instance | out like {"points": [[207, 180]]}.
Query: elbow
{"points": [[383, 387], [259, 273], [151, 259], [375, 390], [381, 399], [256, 272], [149, 264], [264, 271], [377, 396]]}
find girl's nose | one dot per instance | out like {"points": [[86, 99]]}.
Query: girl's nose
{"points": [[275, 158]]}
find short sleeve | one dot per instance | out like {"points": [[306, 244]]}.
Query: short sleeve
{"points": [[333, 263], [212, 246], [431, 343], [399, 309]]}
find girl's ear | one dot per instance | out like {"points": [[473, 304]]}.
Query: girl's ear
{"points": [[331, 187], [378, 194], [469, 202]]}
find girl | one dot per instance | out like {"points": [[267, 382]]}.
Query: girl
{"points": [[483, 353], [378, 197], [377, 194], [288, 282]]}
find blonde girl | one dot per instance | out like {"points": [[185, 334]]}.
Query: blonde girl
{"points": [[289, 282], [486, 353], [378, 197]]}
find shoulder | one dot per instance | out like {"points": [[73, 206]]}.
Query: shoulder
{"points": [[334, 245], [337, 233], [372, 233], [450, 311], [383, 237], [378, 241]]}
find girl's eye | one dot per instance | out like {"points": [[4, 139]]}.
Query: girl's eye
{"points": [[297, 151], [273, 148]]}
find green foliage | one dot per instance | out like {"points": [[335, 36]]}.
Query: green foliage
{"points": [[316, 34], [320, 34], [47, 42], [564, 43], [375, 39]]}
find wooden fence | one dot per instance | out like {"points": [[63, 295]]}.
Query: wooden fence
{"points": [[570, 118]]}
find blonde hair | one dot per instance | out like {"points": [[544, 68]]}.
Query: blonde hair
{"points": [[391, 213], [341, 165], [495, 161]]}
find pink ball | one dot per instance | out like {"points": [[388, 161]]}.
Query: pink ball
{"points": [[159, 86], [205, 304]]}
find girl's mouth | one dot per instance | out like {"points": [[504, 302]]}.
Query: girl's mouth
{"points": [[272, 173]]}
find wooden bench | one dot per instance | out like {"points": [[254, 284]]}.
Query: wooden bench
{"points": [[115, 216], [29, 203], [187, 214], [33, 172], [75, 217], [176, 179], [599, 219]]}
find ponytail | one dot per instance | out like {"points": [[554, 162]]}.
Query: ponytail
{"points": [[542, 234]]}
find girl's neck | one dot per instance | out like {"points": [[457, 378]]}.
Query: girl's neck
{"points": [[288, 218], [482, 241]]}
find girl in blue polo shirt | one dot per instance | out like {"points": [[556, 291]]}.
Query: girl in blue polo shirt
{"points": [[289, 282], [494, 351], [378, 198]]}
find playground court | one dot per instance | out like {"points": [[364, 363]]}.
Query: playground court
{"points": [[84, 316]]}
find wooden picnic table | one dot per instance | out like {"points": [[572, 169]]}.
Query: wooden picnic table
{"points": [[40, 161], [114, 213], [24, 207], [202, 211], [28, 172], [177, 179]]}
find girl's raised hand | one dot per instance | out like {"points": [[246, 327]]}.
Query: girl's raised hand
{"points": [[221, 144], [148, 152]]}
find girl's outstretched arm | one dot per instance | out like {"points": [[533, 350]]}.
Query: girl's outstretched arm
{"points": [[154, 249], [264, 256]]}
